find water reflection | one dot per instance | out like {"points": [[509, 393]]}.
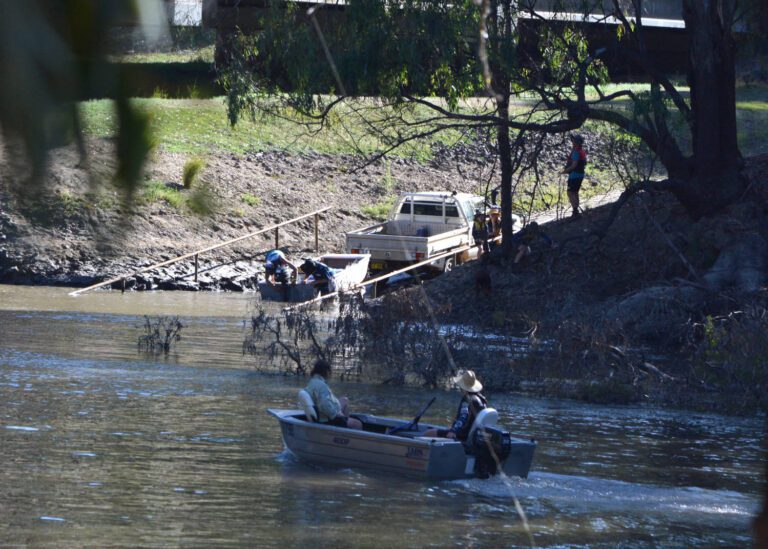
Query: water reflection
{"points": [[104, 446]]}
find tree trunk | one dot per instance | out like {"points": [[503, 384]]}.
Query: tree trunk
{"points": [[505, 162], [712, 179]]}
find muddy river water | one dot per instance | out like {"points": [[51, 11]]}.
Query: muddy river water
{"points": [[105, 446]]}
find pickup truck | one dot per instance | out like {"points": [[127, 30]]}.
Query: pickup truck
{"points": [[420, 225]]}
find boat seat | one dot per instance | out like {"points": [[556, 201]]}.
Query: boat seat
{"points": [[306, 404], [487, 417]]}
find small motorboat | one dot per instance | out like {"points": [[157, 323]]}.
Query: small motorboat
{"points": [[398, 446], [351, 270]]}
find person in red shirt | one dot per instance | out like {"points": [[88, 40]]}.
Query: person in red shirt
{"points": [[577, 162]]}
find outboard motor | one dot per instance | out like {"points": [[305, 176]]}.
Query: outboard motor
{"points": [[491, 447]]}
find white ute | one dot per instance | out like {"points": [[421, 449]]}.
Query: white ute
{"points": [[420, 225]]}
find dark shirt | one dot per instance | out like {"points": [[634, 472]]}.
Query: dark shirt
{"points": [[528, 236], [479, 228], [319, 270], [471, 404]]}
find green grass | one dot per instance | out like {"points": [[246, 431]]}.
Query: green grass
{"points": [[250, 199], [201, 126], [156, 191], [197, 126], [204, 54], [380, 210]]}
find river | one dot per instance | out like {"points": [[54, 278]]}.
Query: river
{"points": [[106, 446]]}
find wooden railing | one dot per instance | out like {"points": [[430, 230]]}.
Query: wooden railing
{"points": [[196, 253]]}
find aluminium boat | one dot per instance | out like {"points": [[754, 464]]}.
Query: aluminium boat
{"points": [[399, 447], [351, 270]]}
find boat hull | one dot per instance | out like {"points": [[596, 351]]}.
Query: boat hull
{"points": [[412, 456], [353, 269]]}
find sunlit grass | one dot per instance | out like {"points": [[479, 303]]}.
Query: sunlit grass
{"points": [[380, 210], [200, 126], [205, 54], [155, 191], [752, 105], [250, 199]]}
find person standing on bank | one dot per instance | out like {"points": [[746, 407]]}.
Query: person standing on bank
{"points": [[480, 233], [577, 162], [472, 402], [330, 410], [494, 227]]}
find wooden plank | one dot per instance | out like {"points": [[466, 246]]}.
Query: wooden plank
{"points": [[196, 252], [370, 281]]}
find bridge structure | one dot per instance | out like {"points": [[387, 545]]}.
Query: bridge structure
{"points": [[664, 28]]}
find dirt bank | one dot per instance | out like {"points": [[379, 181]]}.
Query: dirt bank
{"points": [[76, 230]]}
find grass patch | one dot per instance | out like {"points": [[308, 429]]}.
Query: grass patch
{"points": [[156, 191], [380, 210], [202, 54], [201, 127], [192, 169], [250, 199], [195, 126]]}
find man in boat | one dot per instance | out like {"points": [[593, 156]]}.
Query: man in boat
{"points": [[330, 410], [472, 402], [275, 269], [319, 274]]}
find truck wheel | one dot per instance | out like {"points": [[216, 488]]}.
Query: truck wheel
{"points": [[448, 265]]}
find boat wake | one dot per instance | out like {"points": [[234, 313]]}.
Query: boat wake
{"points": [[576, 494]]}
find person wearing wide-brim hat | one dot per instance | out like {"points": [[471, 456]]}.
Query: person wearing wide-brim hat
{"points": [[472, 402]]}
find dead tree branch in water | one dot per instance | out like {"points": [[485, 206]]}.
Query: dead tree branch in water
{"points": [[292, 340], [160, 334]]}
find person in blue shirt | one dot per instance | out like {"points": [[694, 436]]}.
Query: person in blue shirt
{"points": [[577, 162], [319, 274], [275, 268]]}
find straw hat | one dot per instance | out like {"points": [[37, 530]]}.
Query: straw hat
{"points": [[468, 382]]}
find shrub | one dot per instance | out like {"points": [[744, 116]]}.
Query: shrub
{"points": [[202, 201], [160, 93], [379, 210], [160, 334], [250, 199], [192, 168]]}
